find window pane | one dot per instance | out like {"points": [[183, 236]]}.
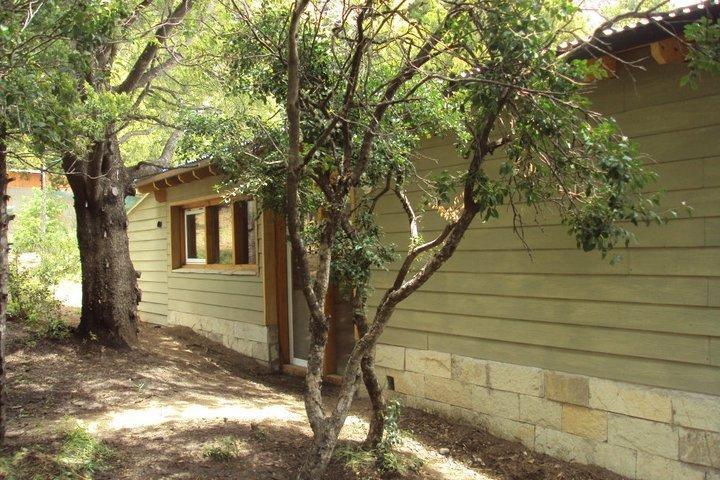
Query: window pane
{"points": [[225, 237], [251, 231], [244, 223], [195, 236]]}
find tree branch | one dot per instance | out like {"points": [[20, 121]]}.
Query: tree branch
{"points": [[142, 63]]}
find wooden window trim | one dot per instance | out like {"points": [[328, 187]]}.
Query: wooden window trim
{"points": [[178, 241]]}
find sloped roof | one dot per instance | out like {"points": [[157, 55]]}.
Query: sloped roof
{"points": [[655, 27]]}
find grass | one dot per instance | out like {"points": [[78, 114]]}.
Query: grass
{"points": [[382, 460], [224, 448], [78, 457]]}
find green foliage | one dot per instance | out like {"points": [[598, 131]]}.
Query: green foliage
{"points": [[79, 457], [384, 458], [81, 452], [44, 228], [704, 52], [57, 96], [223, 449], [44, 252], [501, 73], [32, 301]]}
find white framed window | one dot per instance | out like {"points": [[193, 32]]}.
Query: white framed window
{"points": [[195, 236]]}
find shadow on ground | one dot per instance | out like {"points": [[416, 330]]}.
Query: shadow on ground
{"points": [[160, 405]]}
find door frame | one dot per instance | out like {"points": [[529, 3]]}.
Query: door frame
{"points": [[277, 280], [299, 362]]}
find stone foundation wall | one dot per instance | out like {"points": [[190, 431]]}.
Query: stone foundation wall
{"points": [[640, 432], [259, 342]]}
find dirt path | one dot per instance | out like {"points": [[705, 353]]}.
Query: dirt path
{"points": [[160, 405]]}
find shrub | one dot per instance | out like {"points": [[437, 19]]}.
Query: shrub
{"points": [[44, 252], [44, 231], [32, 302], [383, 458], [225, 448]]}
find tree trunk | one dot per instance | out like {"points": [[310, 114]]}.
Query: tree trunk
{"points": [[109, 280], [320, 452], [371, 380], [4, 252]]}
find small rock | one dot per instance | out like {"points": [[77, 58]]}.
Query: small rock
{"points": [[444, 451]]}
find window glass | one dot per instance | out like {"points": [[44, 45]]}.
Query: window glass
{"points": [[196, 251], [221, 234], [251, 231], [225, 234]]}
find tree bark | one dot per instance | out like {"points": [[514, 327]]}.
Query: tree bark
{"points": [[370, 379], [320, 452], [109, 280], [4, 252]]}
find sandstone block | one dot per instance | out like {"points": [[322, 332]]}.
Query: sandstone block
{"points": [[450, 412], [712, 475], [700, 447], [496, 403], [242, 346], [449, 391], [390, 356], [515, 378], [632, 400], [584, 422], [539, 411], [622, 461], [566, 388], [428, 362], [249, 331], [214, 336], [509, 429], [696, 411], [652, 467], [469, 370], [650, 437], [410, 383], [563, 445], [260, 351]]}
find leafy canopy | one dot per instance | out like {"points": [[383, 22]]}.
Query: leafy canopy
{"points": [[492, 80]]}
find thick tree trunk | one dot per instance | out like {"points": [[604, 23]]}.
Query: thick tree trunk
{"points": [[109, 280], [4, 252]]}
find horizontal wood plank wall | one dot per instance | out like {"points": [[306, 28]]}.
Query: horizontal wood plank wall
{"points": [[235, 297], [148, 251], [654, 318]]}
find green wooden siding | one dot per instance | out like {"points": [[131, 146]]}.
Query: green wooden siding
{"points": [[148, 251], [235, 297], [653, 318]]}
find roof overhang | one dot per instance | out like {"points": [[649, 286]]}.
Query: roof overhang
{"points": [[160, 182], [662, 32]]}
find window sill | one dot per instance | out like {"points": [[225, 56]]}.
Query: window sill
{"points": [[218, 269]]}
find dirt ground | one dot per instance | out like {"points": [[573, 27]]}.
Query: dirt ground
{"points": [[158, 406]]}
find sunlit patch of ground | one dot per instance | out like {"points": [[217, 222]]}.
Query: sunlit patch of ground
{"points": [[179, 407]]}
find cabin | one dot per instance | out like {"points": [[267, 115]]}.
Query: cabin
{"points": [[24, 183], [616, 365]]}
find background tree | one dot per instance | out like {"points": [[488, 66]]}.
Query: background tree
{"points": [[113, 71], [352, 87], [114, 77], [31, 35], [4, 252]]}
